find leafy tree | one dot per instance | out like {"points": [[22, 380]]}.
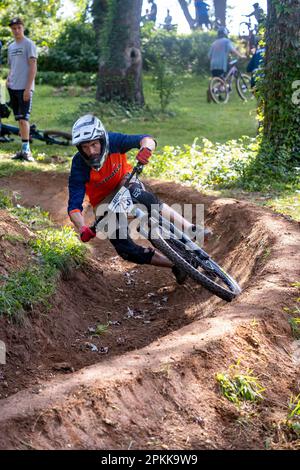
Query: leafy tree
{"points": [[281, 136], [220, 11], [40, 18], [185, 8], [219, 6], [75, 49]]}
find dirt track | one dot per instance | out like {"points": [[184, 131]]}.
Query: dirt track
{"points": [[155, 388]]}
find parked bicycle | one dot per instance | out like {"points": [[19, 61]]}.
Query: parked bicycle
{"points": [[221, 87], [169, 240], [49, 136]]}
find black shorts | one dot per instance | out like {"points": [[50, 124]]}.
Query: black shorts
{"points": [[203, 19], [20, 107], [218, 73], [124, 245]]}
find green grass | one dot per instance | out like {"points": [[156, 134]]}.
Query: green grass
{"points": [[287, 203], [55, 250], [101, 329], [189, 117], [34, 217], [59, 247], [238, 386], [294, 314], [293, 419], [13, 239], [26, 288]]}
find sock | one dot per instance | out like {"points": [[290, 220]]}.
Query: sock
{"points": [[25, 146]]}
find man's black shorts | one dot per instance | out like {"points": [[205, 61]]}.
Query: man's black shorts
{"points": [[218, 73], [20, 107]]}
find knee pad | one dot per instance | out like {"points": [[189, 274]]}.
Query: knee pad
{"points": [[146, 198], [130, 251]]}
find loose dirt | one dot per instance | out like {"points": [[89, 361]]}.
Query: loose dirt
{"points": [[148, 382]]}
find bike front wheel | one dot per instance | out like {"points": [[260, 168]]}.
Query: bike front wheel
{"points": [[218, 90], [243, 87], [203, 270], [57, 137]]}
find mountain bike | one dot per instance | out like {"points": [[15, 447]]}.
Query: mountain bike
{"points": [[221, 87], [49, 136], [179, 248], [248, 35]]}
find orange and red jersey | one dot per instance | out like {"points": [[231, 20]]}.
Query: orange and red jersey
{"points": [[97, 185]]}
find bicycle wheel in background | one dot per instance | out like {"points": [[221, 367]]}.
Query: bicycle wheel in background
{"points": [[218, 90], [243, 86], [57, 137]]}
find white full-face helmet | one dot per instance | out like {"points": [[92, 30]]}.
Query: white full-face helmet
{"points": [[86, 129]]}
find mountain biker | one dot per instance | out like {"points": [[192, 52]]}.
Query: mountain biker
{"points": [[202, 18], [22, 59], [255, 65], [219, 52], [258, 13], [168, 22], [99, 169], [153, 11]]}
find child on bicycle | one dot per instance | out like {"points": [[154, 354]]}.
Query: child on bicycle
{"points": [[99, 169]]}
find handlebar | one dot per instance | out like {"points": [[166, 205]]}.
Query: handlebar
{"points": [[137, 170]]}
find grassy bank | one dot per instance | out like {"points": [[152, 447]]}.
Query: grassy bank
{"points": [[221, 166]]}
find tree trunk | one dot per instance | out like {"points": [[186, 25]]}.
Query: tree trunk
{"points": [[99, 11], [188, 17], [220, 11], [120, 69], [281, 88]]}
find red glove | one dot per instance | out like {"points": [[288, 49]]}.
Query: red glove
{"points": [[86, 234], [144, 155]]}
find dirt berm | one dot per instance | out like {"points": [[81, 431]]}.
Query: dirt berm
{"points": [[149, 381]]}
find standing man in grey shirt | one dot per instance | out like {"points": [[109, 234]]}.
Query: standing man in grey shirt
{"points": [[219, 53], [22, 61]]}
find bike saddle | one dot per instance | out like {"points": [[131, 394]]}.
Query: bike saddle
{"points": [[33, 127]]}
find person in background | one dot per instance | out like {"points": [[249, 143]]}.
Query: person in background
{"points": [[219, 52], [22, 61], [145, 17], [202, 18], [258, 13], [168, 22], [153, 11], [255, 66]]}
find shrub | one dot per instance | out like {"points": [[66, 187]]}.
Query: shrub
{"points": [[239, 386], [59, 79], [183, 52], [75, 50], [205, 164], [25, 288], [59, 248]]}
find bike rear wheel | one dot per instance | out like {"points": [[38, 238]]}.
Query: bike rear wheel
{"points": [[218, 90], [204, 271], [243, 86], [57, 137]]}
